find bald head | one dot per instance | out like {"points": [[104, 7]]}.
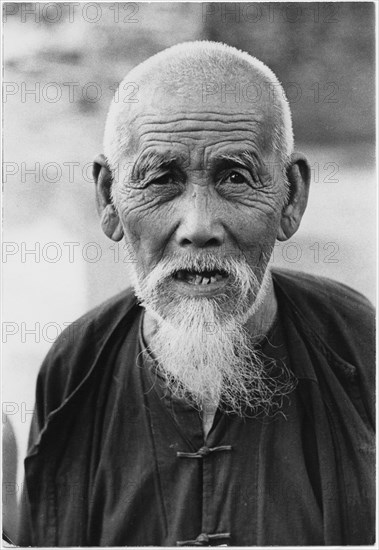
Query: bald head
{"points": [[202, 74]]}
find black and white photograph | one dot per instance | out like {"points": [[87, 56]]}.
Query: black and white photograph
{"points": [[150, 150]]}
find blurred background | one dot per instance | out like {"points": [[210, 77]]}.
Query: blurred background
{"points": [[62, 65]]}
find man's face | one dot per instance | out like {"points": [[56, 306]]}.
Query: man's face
{"points": [[201, 179]]}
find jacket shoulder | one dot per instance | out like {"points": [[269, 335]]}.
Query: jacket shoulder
{"points": [[74, 351], [324, 291], [341, 316]]}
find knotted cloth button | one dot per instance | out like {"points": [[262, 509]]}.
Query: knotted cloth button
{"points": [[203, 538], [203, 451], [206, 540]]}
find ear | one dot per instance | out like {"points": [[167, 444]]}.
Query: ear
{"points": [[299, 177], [110, 222]]}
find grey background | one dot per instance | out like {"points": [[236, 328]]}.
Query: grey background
{"points": [[72, 57]]}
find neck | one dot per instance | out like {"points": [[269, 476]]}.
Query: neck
{"points": [[263, 318], [257, 324]]}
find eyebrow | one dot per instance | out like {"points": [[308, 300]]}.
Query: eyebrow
{"points": [[245, 158], [151, 162]]}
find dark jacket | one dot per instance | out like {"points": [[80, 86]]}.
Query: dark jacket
{"points": [[330, 335]]}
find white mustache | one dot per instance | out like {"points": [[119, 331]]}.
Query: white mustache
{"points": [[237, 268], [205, 262]]}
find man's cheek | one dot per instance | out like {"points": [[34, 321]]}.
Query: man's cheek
{"points": [[136, 214], [253, 246], [135, 203], [149, 242]]}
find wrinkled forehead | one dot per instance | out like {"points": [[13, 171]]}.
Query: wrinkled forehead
{"points": [[234, 110]]}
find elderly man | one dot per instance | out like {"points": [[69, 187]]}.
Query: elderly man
{"points": [[219, 403]]}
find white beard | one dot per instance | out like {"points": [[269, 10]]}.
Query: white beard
{"points": [[201, 345]]}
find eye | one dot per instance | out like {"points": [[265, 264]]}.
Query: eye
{"points": [[236, 178], [165, 179], [167, 185]]}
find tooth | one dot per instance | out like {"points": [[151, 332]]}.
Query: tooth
{"points": [[213, 279], [198, 280], [205, 281]]}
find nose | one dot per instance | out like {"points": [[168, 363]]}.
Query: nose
{"points": [[200, 225]]}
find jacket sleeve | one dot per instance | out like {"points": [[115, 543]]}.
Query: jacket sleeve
{"points": [[24, 530]]}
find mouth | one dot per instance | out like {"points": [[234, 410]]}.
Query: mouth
{"points": [[200, 278]]}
